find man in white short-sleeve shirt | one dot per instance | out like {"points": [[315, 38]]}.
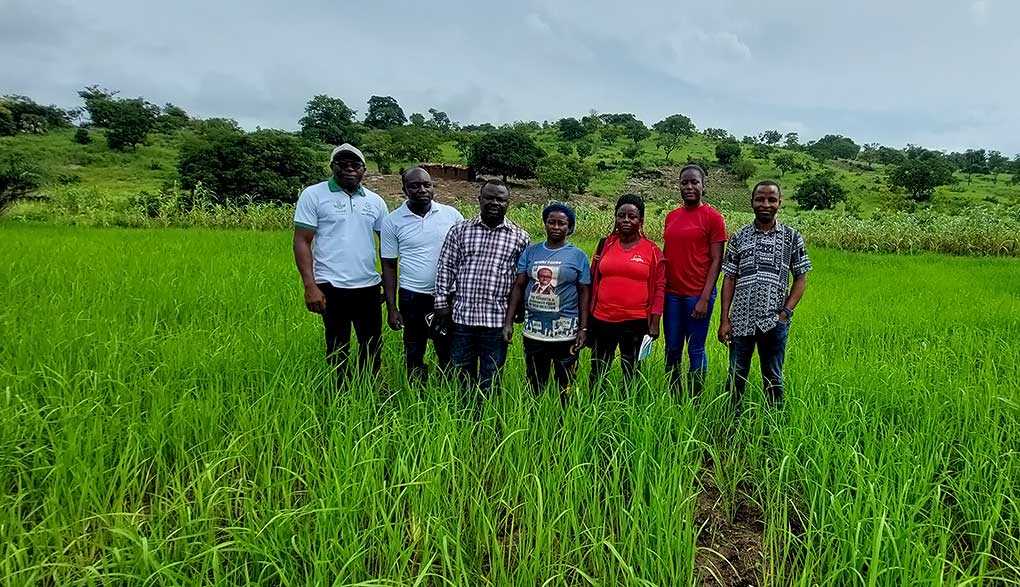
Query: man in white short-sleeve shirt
{"points": [[410, 240], [342, 219]]}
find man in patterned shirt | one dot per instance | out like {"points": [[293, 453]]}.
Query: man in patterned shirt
{"points": [[477, 267], [757, 300]]}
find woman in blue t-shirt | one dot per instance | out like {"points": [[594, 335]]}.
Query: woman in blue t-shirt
{"points": [[553, 282]]}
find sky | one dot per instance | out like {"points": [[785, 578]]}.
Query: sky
{"points": [[926, 72]]}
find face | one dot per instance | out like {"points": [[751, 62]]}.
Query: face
{"points": [[544, 276], [418, 188], [628, 219], [493, 202], [765, 203], [691, 186], [556, 226], [348, 170]]}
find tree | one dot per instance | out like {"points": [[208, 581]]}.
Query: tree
{"points": [[440, 121], [415, 144], [416, 119], [507, 153], [562, 175], [743, 169], [920, 177], [636, 131], [328, 120], [792, 140], [27, 116], [833, 147], [464, 141], [727, 152], [717, 134], [570, 129], [997, 162], [130, 121], [748, 140], [18, 176], [869, 154], [610, 133], [172, 118], [820, 191], [672, 131], [786, 162], [377, 146], [7, 125], [890, 156], [99, 103], [770, 137], [761, 151], [266, 165], [384, 112], [565, 148]]}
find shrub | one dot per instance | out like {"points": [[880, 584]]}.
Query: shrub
{"points": [[564, 148], [130, 122], [562, 175], [727, 152], [265, 166], [820, 191], [585, 149], [743, 169], [632, 151], [82, 136]]}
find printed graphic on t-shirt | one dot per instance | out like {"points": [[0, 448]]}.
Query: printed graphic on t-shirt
{"points": [[543, 296]]}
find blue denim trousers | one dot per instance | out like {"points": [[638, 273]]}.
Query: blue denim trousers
{"points": [[771, 347], [477, 353], [679, 329]]}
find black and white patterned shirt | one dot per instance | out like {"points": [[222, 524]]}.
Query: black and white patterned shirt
{"points": [[762, 262], [476, 270]]}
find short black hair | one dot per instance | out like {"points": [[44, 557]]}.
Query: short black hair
{"points": [[496, 183], [766, 183], [634, 200], [701, 170]]}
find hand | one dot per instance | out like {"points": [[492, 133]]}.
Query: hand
{"points": [[783, 316], [725, 332], [653, 329], [580, 341], [315, 300], [508, 334], [394, 319], [700, 309]]}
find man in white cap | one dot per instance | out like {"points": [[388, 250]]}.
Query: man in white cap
{"points": [[342, 218]]}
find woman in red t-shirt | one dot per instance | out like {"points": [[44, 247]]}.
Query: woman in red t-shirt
{"points": [[693, 239], [628, 284]]}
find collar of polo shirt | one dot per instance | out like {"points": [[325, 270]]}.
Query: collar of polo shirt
{"points": [[335, 187]]}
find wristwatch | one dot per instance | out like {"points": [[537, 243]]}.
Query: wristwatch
{"points": [[789, 312]]}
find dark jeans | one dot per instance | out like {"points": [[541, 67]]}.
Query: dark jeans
{"points": [[361, 307], [605, 338], [542, 356], [477, 353], [679, 328], [414, 307], [771, 353]]}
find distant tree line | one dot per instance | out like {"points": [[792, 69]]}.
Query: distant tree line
{"points": [[270, 165]]}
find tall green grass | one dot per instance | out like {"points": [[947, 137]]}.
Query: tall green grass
{"points": [[166, 418]]}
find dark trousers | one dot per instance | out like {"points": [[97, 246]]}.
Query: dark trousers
{"points": [[543, 358], [414, 307], [605, 338], [477, 353], [362, 308], [771, 353]]}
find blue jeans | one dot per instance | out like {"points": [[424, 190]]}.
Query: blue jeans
{"points": [[771, 353], [477, 353], [679, 328]]}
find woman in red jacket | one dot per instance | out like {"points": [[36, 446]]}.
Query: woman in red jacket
{"points": [[628, 286]]}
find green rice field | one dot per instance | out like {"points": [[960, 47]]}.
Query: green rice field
{"points": [[167, 418]]}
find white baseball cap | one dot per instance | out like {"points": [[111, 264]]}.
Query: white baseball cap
{"points": [[347, 148]]}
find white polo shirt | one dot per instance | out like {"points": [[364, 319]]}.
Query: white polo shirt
{"points": [[345, 225], [416, 242]]}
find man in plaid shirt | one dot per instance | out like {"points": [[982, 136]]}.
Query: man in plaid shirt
{"points": [[476, 270]]}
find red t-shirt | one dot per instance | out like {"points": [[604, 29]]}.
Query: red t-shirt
{"points": [[629, 282], [688, 237]]}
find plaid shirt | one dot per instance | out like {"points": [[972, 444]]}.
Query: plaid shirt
{"points": [[761, 263], [477, 267]]}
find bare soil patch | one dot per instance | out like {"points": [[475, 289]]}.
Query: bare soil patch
{"points": [[730, 553]]}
